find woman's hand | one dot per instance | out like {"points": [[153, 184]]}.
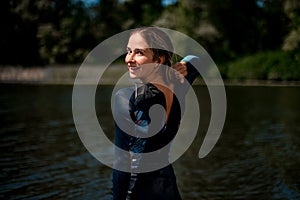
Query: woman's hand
{"points": [[180, 71]]}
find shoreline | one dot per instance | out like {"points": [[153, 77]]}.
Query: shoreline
{"points": [[66, 75]]}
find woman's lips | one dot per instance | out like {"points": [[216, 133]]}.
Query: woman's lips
{"points": [[133, 69]]}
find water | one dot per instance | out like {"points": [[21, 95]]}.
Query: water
{"points": [[257, 156]]}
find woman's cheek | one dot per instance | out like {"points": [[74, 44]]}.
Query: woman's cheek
{"points": [[126, 58]]}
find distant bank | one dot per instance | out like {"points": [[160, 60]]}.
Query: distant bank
{"points": [[65, 75], [58, 74]]}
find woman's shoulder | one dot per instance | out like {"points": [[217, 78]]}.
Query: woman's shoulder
{"points": [[121, 99], [145, 94], [124, 92], [149, 93], [124, 95]]}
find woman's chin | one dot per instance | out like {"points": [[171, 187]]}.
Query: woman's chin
{"points": [[133, 76]]}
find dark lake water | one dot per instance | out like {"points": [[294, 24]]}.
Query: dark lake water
{"points": [[256, 157]]}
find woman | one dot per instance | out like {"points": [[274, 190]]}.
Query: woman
{"points": [[149, 58]]}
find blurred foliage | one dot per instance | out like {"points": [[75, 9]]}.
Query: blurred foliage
{"points": [[42, 32], [292, 40], [272, 65]]}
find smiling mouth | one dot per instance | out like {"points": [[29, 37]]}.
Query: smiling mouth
{"points": [[134, 68]]}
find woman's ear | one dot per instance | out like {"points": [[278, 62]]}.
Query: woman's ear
{"points": [[161, 59]]}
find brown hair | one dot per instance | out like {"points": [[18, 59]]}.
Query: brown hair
{"points": [[158, 41]]}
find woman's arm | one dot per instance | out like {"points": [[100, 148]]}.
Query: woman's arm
{"points": [[187, 69]]}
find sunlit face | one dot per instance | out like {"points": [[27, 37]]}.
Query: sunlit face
{"points": [[139, 59]]}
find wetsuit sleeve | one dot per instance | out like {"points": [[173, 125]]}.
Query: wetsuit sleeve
{"points": [[121, 178], [192, 63], [181, 89]]}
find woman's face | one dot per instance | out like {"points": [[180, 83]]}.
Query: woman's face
{"points": [[139, 59]]}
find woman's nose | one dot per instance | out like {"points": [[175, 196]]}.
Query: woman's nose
{"points": [[129, 58]]}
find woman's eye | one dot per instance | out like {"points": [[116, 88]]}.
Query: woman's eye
{"points": [[140, 53], [136, 51], [129, 51]]}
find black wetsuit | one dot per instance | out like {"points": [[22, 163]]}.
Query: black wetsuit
{"points": [[155, 185]]}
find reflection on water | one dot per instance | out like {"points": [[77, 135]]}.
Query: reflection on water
{"points": [[257, 156]]}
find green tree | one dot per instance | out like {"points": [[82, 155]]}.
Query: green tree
{"points": [[292, 41], [191, 18], [65, 31], [247, 27], [45, 32], [18, 41], [107, 18], [143, 12]]}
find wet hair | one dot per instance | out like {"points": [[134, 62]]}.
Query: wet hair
{"points": [[159, 42]]}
